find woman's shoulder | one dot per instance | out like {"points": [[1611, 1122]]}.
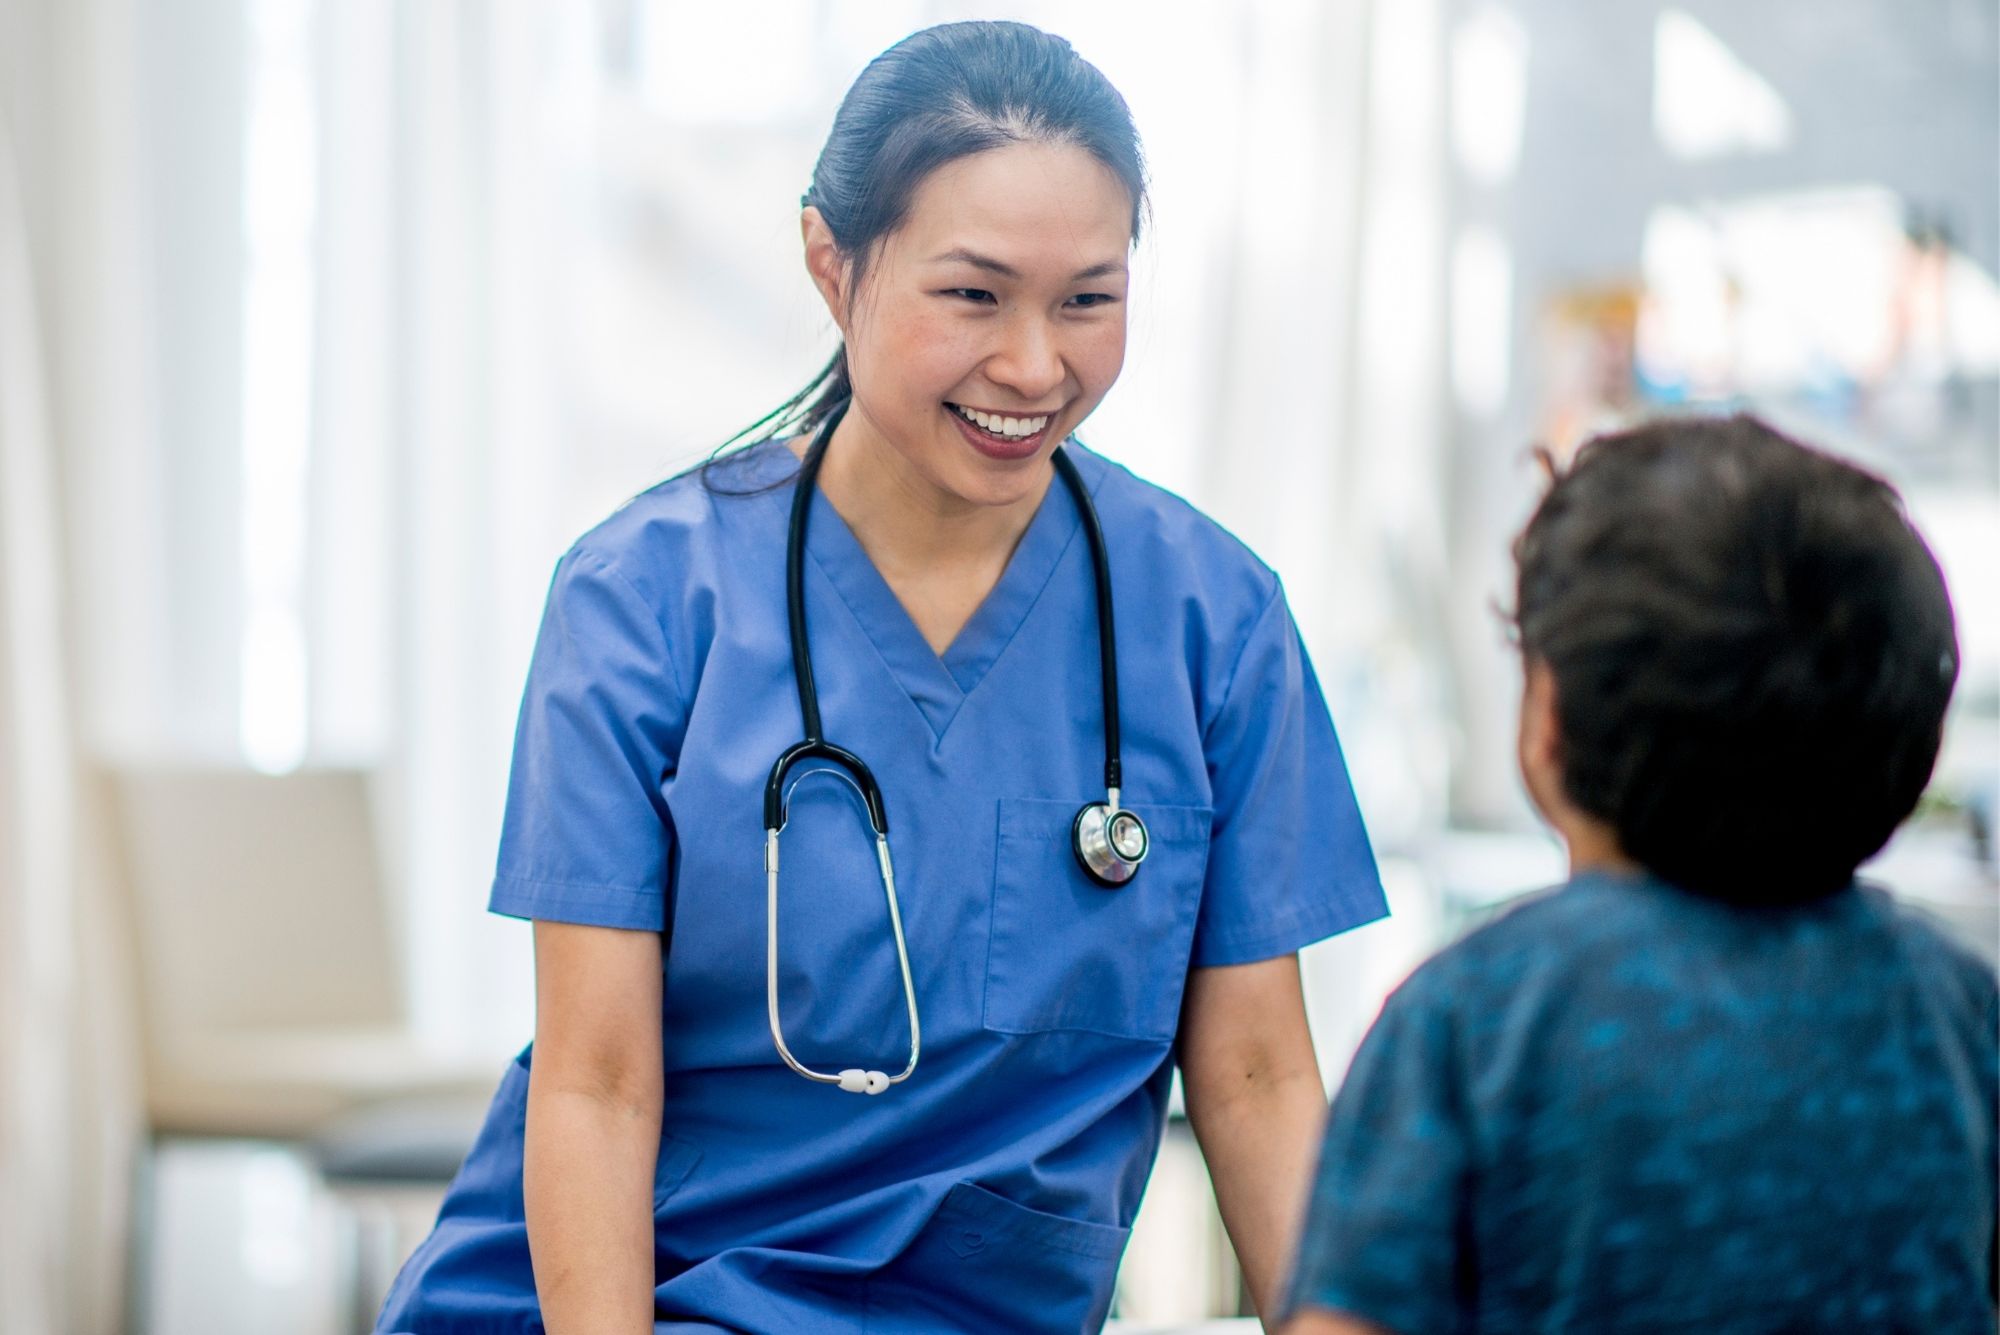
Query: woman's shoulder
{"points": [[1153, 530], [668, 529]]}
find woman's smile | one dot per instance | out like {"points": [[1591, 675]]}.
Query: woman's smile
{"points": [[1002, 436]]}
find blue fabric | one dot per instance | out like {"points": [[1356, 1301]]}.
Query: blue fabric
{"points": [[993, 1190], [1622, 1108]]}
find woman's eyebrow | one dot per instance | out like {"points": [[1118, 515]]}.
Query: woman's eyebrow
{"points": [[960, 255], [1102, 269]]}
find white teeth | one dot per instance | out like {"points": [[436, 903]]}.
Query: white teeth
{"points": [[1003, 426]]}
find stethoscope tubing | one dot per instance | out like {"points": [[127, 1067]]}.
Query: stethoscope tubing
{"points": [[851, 768], [1107, 634]]}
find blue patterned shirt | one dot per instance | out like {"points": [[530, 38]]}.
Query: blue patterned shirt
{"points": [[1621, 1107]]}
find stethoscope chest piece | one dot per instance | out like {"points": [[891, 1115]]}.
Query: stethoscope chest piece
{"points": [[1110, 842]]}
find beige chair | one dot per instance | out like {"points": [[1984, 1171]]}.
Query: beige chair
{"points": [[274, 1010], [269, 962]]}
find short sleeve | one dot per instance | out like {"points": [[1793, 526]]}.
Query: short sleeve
{"points": [[1382, 1239], [1288, 861], [587, 835]]}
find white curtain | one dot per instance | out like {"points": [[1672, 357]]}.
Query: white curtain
{"points": [[36, 976], [70, 1122], [67, 1114]]}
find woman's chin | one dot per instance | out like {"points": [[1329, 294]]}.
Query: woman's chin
{"points": [[984, 482]]}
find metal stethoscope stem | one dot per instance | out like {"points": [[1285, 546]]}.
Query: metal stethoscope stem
{"points": [[854, 1079]]}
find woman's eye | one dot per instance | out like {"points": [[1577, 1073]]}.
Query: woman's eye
{"points": [[978, 294], [1086, 300]]}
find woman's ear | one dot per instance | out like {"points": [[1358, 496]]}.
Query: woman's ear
{"points": [[826, 265]]}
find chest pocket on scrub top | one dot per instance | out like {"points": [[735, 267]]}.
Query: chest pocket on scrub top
{"points": [[1068, 954]]}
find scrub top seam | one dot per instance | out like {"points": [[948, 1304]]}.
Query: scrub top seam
{"points": [[1329, 918], [1055, 566], [1041, 591], [525, 900], [861, 628], [981, 664], [674, 673], [1027, 613], [868, 579], [576, 885], [943, 726], [780, 500], [992, 913]]}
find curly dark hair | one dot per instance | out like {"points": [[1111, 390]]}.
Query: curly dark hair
{"points": [[1752, 652]]}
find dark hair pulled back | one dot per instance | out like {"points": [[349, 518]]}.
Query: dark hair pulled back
{"points": [[939, 95]]}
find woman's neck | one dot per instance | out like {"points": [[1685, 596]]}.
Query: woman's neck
{"points": [[940, 554], [907, 523]]}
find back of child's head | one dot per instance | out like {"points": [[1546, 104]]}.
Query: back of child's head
{"points": [[1752, 652]]}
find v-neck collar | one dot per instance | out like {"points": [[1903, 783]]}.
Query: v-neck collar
{"points": [[939, 684]]}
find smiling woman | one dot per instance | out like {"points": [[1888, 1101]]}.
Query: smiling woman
{"points": [[987, 327], [655, 1161], [993, 317]]}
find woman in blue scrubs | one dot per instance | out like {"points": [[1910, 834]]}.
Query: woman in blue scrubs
{"points": [[652, 1163]]}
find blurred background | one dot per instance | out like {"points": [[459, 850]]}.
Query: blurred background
{"points": [[326, 325]]}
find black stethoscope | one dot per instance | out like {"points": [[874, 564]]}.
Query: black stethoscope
{"points": [[1109, 841]]}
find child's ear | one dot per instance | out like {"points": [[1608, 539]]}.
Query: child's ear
{"points": [[1540, 743]]}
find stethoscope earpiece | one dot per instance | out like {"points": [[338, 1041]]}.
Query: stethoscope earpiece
{"points": [[857, 1081]]}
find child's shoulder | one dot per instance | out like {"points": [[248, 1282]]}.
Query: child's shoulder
{"points": [[1574, 939], [1598, 929], [1534, 941], [1579, 919], [1941, 960]]}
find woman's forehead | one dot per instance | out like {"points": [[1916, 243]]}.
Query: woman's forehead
{"points": [[1036, 209]]}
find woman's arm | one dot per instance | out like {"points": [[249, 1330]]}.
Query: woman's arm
{"points": [[593, 1135], [1319, 1321], [1256, 1104]]}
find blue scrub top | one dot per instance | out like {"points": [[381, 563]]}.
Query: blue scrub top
{"points": [[995, 1188]]}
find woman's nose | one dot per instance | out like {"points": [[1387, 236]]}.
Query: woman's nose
{"points": [[1028, 361]]}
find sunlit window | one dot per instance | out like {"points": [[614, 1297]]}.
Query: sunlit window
{"points": [[1813, 288], [680, 78], [1707, 102], [1482, 312], [279, 206], [1489, 92]]}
